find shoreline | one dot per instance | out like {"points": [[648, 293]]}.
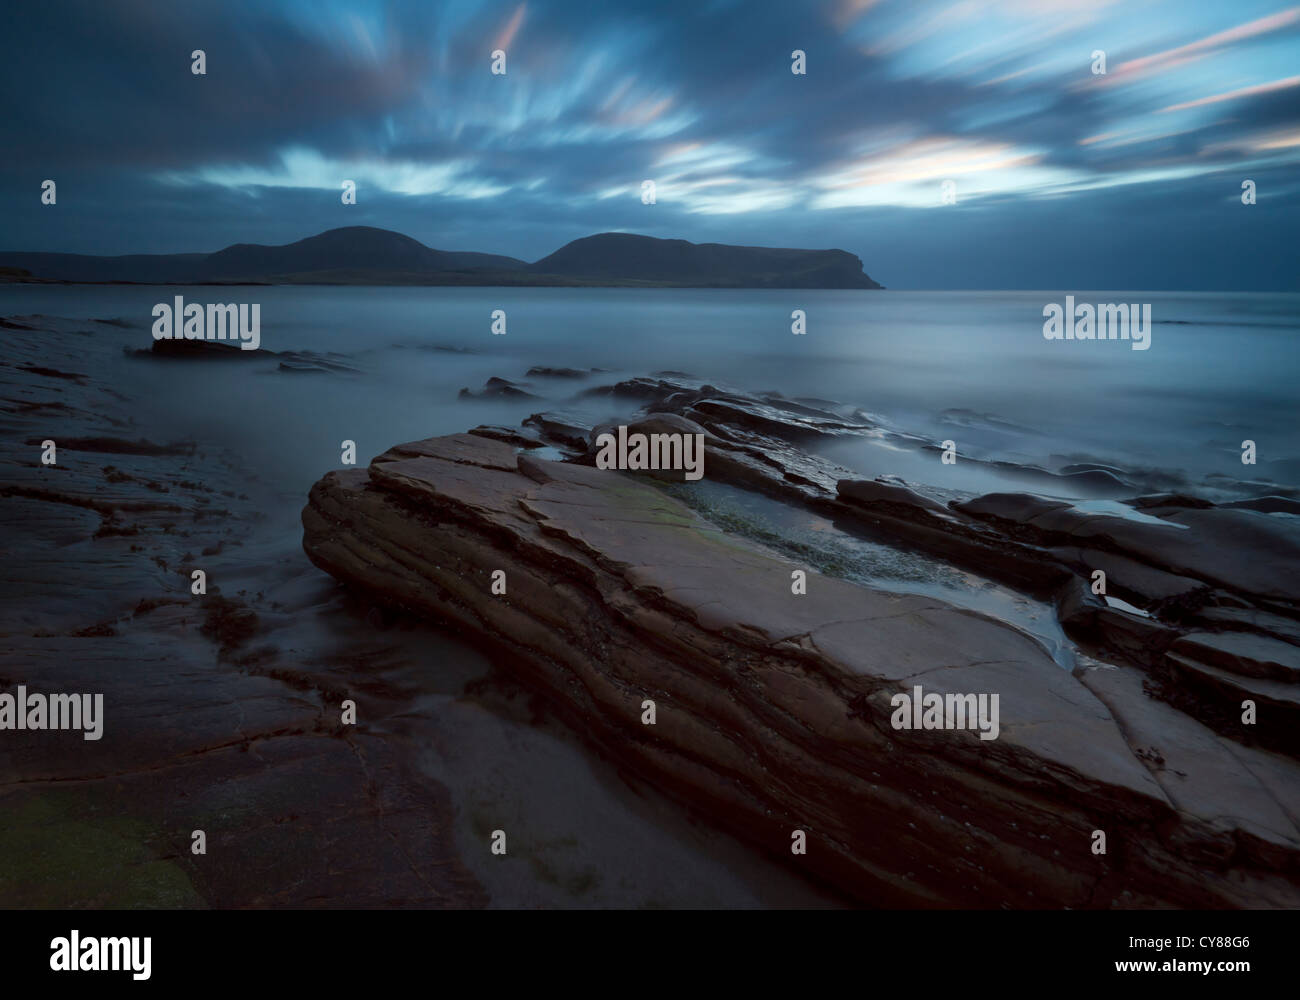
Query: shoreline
{"points": [[223, 711], [244, 685]]}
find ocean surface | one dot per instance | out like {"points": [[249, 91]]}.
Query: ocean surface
{"points": [[969, 367]]}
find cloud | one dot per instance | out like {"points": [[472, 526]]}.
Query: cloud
{"points": [[1135, 69], [1233, 95], [507, 36], [697, 96]]}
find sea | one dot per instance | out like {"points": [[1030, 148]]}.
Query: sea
{"points": [[971, 367]]}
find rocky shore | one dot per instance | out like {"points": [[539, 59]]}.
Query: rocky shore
{"points": [[773, 707], [1121, 713], [222, 711], [208, 724]]}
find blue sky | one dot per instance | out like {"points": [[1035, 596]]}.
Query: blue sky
{"points": [[1064, 178]]}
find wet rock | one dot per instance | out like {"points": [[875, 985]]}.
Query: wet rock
{"points": [[651, 425], [1018, 508], [1242, 551], [773, 711], [823, 409], [1252, 620], [1093, 622], [869, 493], [524, 437], [196, 350], [1208, 779], [543, 371], [772, 418], [120, 446], [640, 389], [499, 388], [1145, 585], [1277, 702], [1170, 500], [566, 429], [1241, 653], [1267, 505]]}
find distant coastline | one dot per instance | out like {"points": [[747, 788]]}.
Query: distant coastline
{"points": [[361, 255]]}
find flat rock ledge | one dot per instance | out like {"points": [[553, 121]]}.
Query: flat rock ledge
{"points": [[773, 710]]}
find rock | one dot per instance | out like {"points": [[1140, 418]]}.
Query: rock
{"points": [[542, 371], [772, 417], [773, 711], [1242, 653], [1078, 608], [1144, 585], [120, 446], [1091, 620], [1018, 508], [653, 424], [641, 389], [499, 388], [1253, 620], [196, 350], [869, 493], [1278, 702], [1267, 505], [524, 437], [1242, 551], [565, 429], [822, 409], [1239, 799], [1170, 500]]}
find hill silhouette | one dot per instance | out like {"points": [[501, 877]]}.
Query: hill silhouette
{"points": [[364, 255]]}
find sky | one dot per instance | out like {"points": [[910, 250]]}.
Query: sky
{"points": [[1061, 176]]}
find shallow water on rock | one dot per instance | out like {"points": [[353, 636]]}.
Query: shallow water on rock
{"points": [[831, 550]]}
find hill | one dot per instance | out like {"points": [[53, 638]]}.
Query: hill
{"points": [[363, 255]]}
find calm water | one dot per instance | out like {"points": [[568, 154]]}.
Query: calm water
{"points": [[973, 367]]}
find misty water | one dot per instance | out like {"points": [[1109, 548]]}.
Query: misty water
{"points": [[971, 367]]}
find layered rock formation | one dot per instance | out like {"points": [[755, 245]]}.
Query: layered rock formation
{"points": [[773, 709]]}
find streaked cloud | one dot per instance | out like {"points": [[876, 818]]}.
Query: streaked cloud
{"points": [[1234, 95], [900, 95], [1135, 69]]}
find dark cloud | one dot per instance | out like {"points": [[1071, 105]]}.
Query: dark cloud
{"points": [[597, 94]]}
